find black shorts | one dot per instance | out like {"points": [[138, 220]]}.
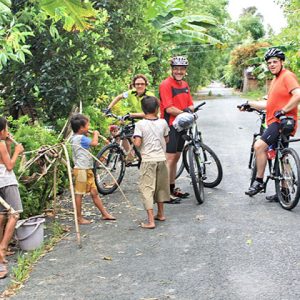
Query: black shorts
{"points": [[270, 136], [176, 142]]}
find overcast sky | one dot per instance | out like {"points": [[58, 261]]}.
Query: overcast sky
{"points": [[272, 13]]}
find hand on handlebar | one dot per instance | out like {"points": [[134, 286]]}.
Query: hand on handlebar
{"points": [[188, 110], [107, 111], [126, 117], [245, 107], [279, 113]]}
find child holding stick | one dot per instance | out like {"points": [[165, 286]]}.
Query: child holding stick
{"points": [[83, 161], [151, 135], [8, 191]]}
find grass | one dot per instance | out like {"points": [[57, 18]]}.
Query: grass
{"points": [[26, 260], [255, 95]]}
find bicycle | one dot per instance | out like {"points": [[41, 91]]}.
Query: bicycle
{"points": [[114, 158], [283, 168], [197, 159]]}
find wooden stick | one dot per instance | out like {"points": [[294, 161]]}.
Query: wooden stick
{"points": [[73, 195], [7, 206], [54, 188]]}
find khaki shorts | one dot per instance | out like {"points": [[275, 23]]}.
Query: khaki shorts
{"points": [[84, 181], [11, 195], [154, 183]]}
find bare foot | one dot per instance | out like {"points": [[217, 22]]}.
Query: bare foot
{"points": [[83, 221], [108, 217], [2, 256], [3, 270], [160, 218], [148, 225]]}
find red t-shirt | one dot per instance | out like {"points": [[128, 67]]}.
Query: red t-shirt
{"points": [[280, 94], [173, 93]]}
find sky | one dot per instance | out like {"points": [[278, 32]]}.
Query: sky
{"points": [[272, 13]]}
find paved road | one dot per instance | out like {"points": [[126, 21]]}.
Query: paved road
{"points": [[231, 247]]}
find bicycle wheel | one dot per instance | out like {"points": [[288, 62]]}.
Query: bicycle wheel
{"points": [[196, 173], [287, 178], [212, 168], [113, 160], [182, 163]]}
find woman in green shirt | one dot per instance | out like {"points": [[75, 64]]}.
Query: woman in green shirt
{"points": [[134, 96]]}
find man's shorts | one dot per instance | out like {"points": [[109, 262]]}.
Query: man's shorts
{"points": [[176, 142], [271, 134], [11, 195], [154, 183], [84, 181]]}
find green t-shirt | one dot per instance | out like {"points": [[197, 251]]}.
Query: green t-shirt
{"points": [[133, 101]]}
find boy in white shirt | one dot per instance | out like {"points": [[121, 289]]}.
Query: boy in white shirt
{"points": [[151, 135]]}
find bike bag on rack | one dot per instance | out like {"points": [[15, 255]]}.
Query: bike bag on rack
{"points": [[287, 125]]}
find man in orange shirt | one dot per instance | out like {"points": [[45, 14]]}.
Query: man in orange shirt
{"points": [[283, 99]]}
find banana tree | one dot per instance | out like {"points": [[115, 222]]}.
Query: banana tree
{"points": [[169, 19]]}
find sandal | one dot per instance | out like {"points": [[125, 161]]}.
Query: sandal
{"points": [[178, 193], [3, 271]]}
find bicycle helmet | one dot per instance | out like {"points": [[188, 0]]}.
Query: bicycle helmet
{"points": [[179, 61], [274, 52], [183, 121]]}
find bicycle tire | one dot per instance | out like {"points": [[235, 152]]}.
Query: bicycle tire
{"points": [[183, 162], [212, 176], [196, 174], [113, 159], [287, 182]]}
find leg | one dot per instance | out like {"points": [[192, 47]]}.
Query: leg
{"points": [[2, 224], [78, 201], [160, 212], [98, 203], [8, 233], [150, 224], [172, 159], [260, 148]]}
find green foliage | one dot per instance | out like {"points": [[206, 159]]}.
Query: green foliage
{"points": [[75, 14]]}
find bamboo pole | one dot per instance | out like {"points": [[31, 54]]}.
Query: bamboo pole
{"points": [[54, 188], [73, 195]]}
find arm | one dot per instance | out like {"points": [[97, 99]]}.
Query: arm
{"points": [[137, 115], [294, 101], [95, 138], [174, 111], [137, 141], [5, 158], [167, 139], [260, 105], [115, 101]]}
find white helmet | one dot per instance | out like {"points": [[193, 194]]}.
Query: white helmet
{"points": [[183, 121]]}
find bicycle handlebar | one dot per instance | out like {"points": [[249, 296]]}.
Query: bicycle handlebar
{"points": [[198, 106], [251, 109]]}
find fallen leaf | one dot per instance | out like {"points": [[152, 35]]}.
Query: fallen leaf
{"points": [[107, 258]]}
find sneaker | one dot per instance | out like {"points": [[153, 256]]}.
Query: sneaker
{"points": [[285, 194], [179, 194], [272, 198], [173, 200], [255, 188]]}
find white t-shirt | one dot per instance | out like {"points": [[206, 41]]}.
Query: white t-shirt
{"points": [[153, 133]]}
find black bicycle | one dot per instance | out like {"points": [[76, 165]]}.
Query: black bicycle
{"points": [[212, 166], [200, 161], [284, 167], [114, 158]]}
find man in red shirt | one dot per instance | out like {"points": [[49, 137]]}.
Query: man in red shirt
{"points": [[175, 98], [283, 99]]}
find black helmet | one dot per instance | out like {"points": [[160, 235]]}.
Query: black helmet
{"points": [[179, 61], [274, 52]]}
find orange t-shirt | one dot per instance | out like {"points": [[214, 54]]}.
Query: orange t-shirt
{"points": [[280, 94]]}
